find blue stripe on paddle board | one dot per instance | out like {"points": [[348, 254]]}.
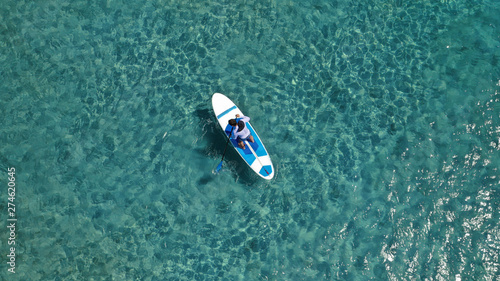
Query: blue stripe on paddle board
{"points": [[260, 151], [226, 112], [249, 158], [245, 153]]}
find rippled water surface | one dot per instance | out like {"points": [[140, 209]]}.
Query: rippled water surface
{"points": [[382, 119]]}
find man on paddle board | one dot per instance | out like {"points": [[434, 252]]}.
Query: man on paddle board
{"points": [[240, 131]]}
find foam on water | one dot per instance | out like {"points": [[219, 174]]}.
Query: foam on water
{"points": [[381, 118]]}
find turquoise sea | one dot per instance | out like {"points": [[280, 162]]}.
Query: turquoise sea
{"points": [[382, 118]]}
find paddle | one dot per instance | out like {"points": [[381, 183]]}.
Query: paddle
{"points": [[219, 167]]}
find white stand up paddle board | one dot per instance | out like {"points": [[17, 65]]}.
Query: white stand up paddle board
{"points": [[254, 154]]}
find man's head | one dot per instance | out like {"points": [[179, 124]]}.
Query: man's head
{"points": [[241, 124]]}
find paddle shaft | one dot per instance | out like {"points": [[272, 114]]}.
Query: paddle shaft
{"points": [[228, 139]]}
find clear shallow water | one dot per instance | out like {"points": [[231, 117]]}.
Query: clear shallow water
{"points": [[381, 117]]}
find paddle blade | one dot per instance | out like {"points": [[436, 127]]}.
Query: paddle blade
{"points": [[219, 167]]}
